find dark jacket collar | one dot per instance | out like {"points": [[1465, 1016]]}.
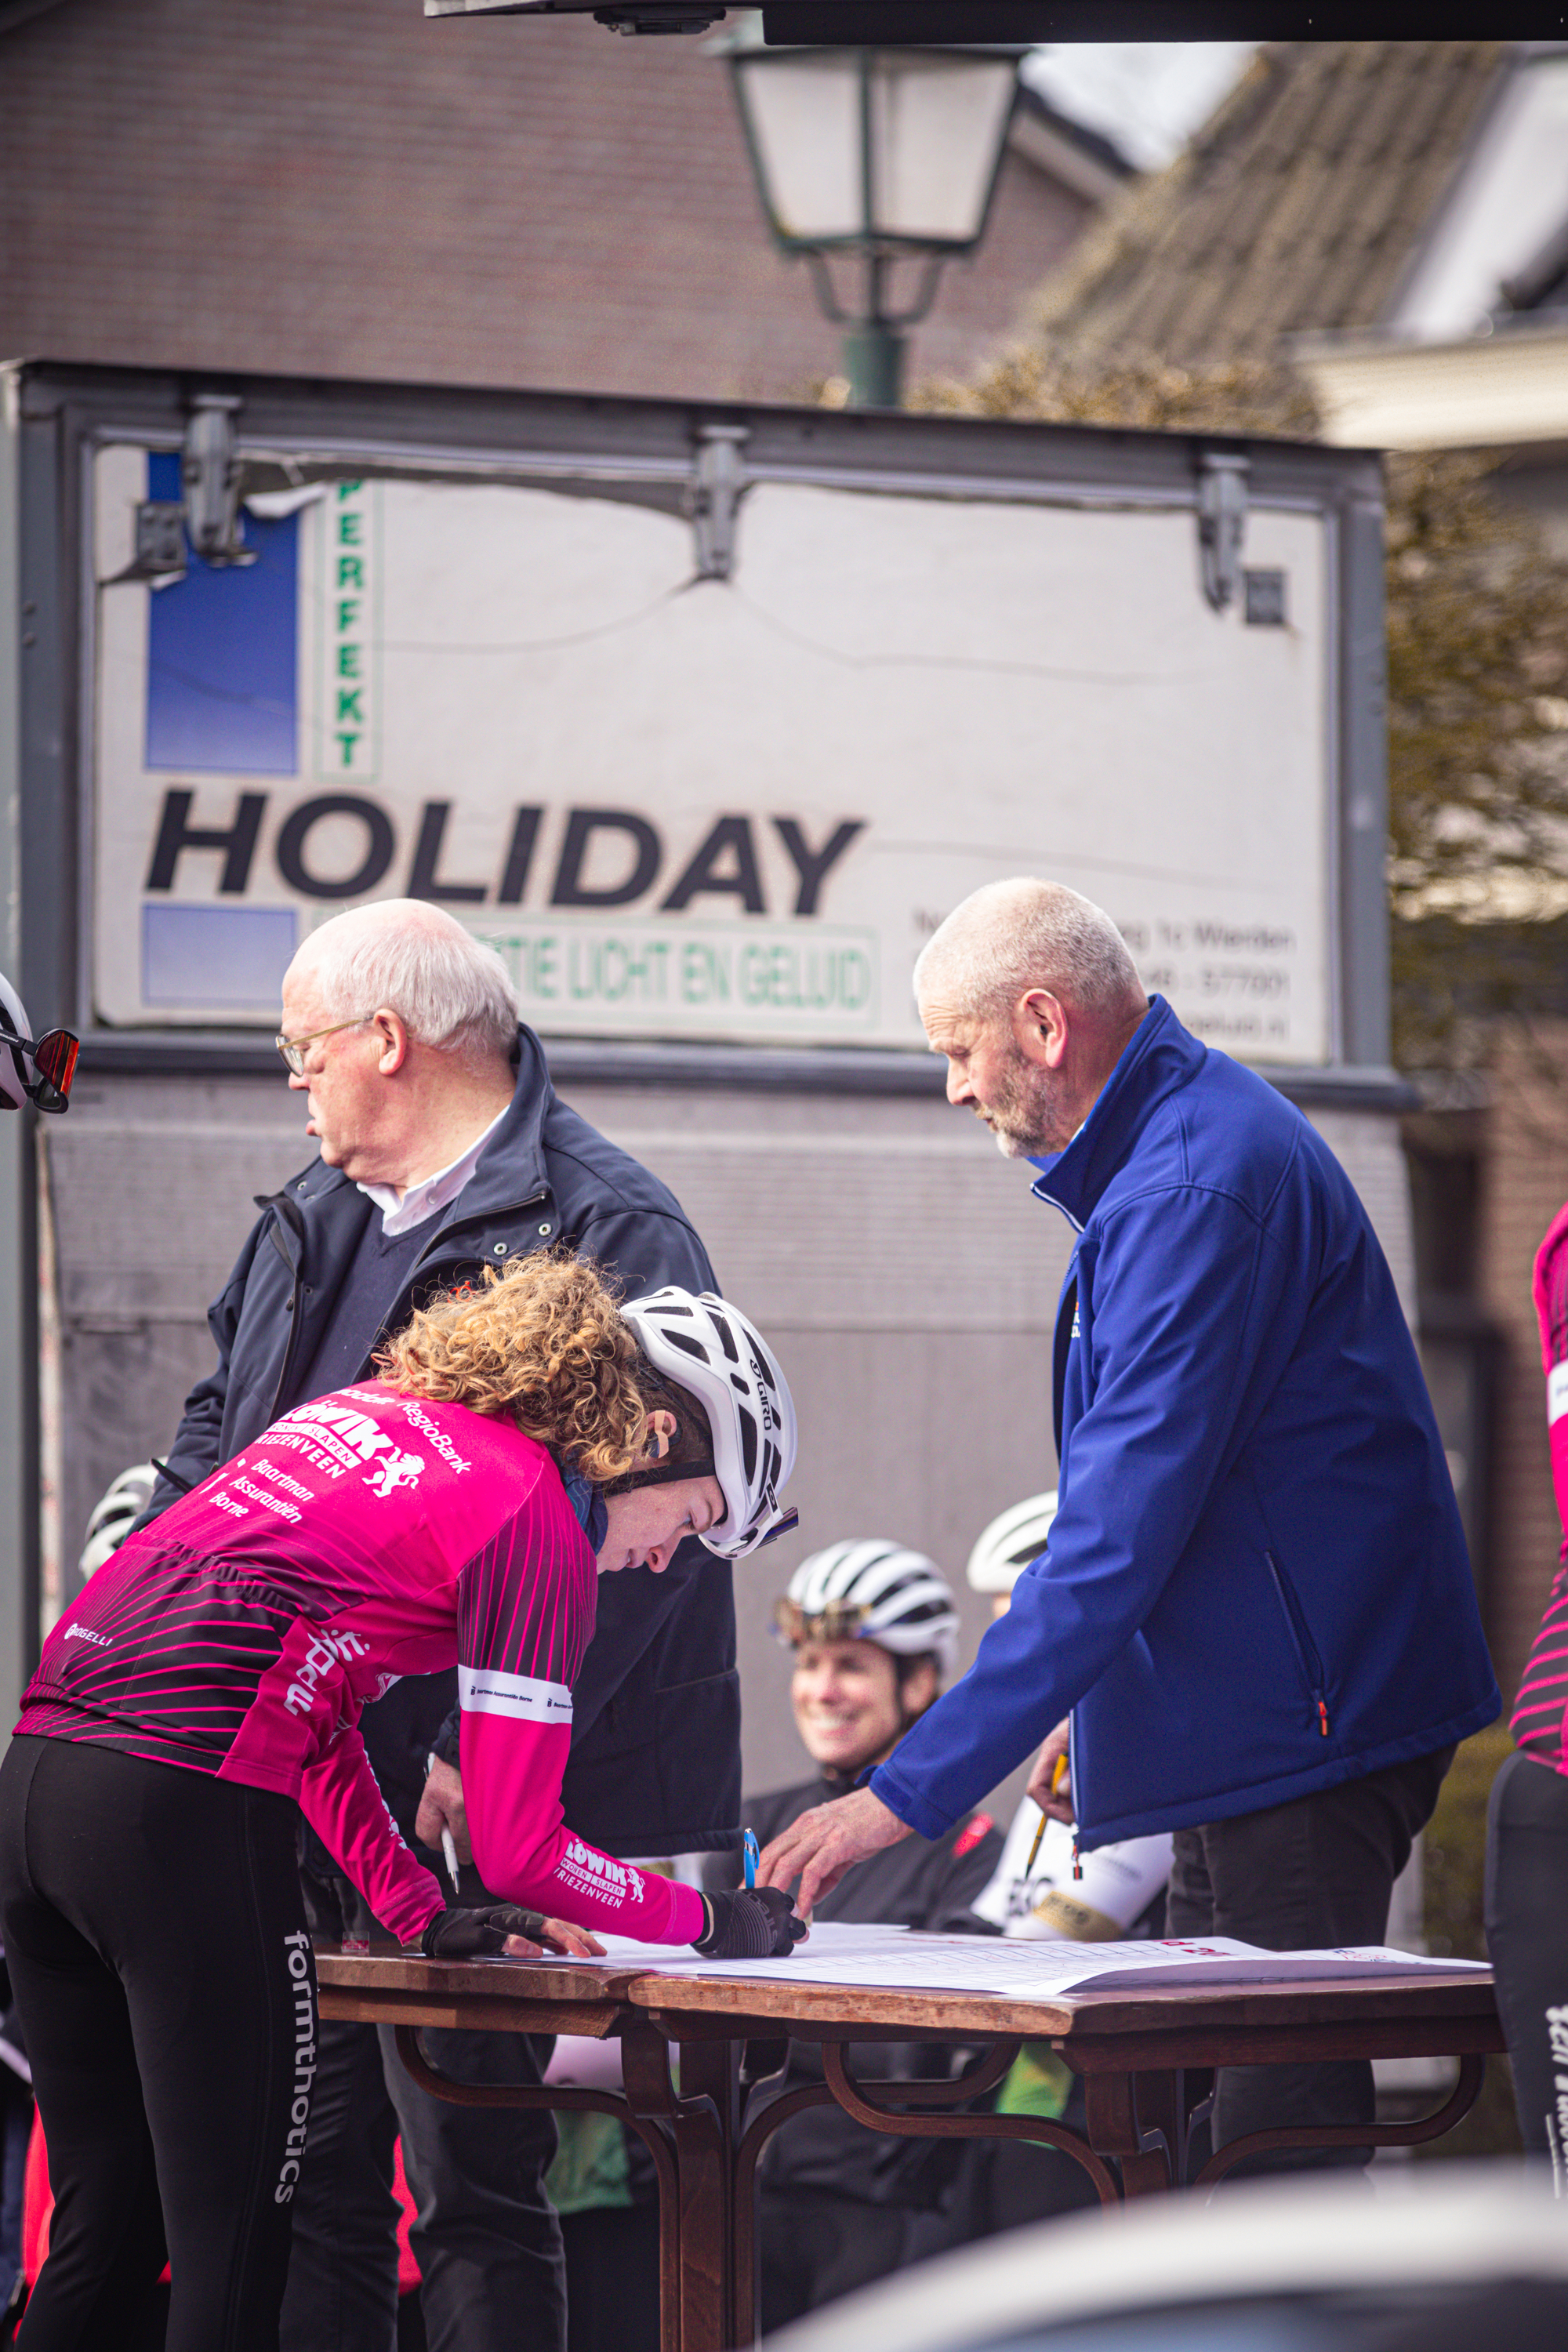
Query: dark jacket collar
{"points": [[1158, 1060], [512, 1165], [511, 1168]]}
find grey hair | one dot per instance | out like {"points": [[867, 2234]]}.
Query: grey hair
{"points": [[449, 989], [1009, 937]]}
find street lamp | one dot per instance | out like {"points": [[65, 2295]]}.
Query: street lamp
{"points": [[878, 154]]}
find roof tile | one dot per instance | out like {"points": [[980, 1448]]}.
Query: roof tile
{"points": [[1297, 205]]}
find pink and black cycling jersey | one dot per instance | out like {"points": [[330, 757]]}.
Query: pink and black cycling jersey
{"points": [[365, 1536], [1540, 1722]]}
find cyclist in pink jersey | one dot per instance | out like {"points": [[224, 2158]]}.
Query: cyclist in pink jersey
{"points": [[459, 1508], [1527, 1819]]}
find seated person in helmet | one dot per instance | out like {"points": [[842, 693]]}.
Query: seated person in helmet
{"points": [[1043, 1889], [874, 1629]]}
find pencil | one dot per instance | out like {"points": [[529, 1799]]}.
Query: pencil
{"points": [[1059, 1772]]}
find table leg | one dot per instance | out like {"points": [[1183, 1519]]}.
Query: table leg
{"points": [[746, 2288], [1196, 2105], [696, 2249], [652, 2125], [709, 2116], [1111, 2106]]}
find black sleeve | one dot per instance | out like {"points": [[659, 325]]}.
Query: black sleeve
{"points": [[766, 1817], [195, 1451], [723, 1871], [647, 1248]]}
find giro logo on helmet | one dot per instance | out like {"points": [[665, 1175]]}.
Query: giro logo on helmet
{"points": [[764, 1402]]}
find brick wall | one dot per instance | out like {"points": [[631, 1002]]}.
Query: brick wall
{"points": [[1524, 1183], [342, 187]]}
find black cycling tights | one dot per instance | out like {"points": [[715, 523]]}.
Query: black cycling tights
{"points": [[1527, 1934], [156, 1940]]}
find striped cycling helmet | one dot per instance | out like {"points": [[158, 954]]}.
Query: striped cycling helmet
{"points": [[703, 1344], [1015, 1537], [870, 1588], [115, 1516]]}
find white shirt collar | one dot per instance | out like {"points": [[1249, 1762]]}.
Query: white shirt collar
{"points": [[432, 1193]]}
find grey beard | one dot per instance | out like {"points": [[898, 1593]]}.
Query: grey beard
{"points": [[1026, 1108]]}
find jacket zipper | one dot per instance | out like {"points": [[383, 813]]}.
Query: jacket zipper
{"points": [[1072, 1776], [285, 1213], [1306, 1655]]}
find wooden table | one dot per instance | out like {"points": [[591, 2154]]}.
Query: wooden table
{"points": [[1146, 2060]]}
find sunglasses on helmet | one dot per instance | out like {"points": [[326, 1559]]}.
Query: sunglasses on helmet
{"points": [[53, 1057], [837, 1621]]}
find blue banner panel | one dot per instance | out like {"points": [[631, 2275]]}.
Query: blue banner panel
{"points": [[222, 654], [217, 955]]}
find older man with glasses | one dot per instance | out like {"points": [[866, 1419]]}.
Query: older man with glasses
{"points": [[443, 1148]]}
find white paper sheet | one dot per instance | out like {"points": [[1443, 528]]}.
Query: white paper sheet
{"points": [[839, 1953]]}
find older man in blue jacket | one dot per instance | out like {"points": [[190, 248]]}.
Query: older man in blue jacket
{"points": [[1257, 1604]]}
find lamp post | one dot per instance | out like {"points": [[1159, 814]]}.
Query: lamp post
{"points": [[876, 156]]}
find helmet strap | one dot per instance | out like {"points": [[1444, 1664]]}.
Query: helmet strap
{"points": [[661, 1474]]}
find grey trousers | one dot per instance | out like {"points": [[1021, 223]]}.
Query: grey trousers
{"points": [[487, 2239], [1295, 1878]]}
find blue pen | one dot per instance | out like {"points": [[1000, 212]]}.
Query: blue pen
{"points": [[752, 1852]]}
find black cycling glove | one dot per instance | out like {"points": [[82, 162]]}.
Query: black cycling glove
{"points": [[462, 1934], [756, 1923]]}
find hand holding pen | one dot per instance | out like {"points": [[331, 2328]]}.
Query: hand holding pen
{"points": [[1058, 1774], [449, 1843]]}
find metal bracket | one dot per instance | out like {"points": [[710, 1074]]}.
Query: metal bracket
{"points": [[209, 471], [160, 542], [718, 479], [207, 511], [1222, 523]]}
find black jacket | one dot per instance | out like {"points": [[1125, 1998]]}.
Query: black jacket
{"points": [[911, 1885], [655, 1765]]}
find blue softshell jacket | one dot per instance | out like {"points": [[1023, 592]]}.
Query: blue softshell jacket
{"points": [[1257, 1584]]}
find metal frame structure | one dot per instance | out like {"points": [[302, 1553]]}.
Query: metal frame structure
{"points": [[653, 451]]}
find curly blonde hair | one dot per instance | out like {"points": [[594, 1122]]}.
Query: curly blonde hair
{"points": [[542, 1343]]}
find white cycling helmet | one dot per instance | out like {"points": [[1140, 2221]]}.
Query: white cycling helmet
{"points": [[703, 1344], [872, 1589], [115, 1515], [1014, 1539], [37, 1071]]}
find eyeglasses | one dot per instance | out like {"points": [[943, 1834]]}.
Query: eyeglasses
{"points": [[293, 1048], [53, 1057]]}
